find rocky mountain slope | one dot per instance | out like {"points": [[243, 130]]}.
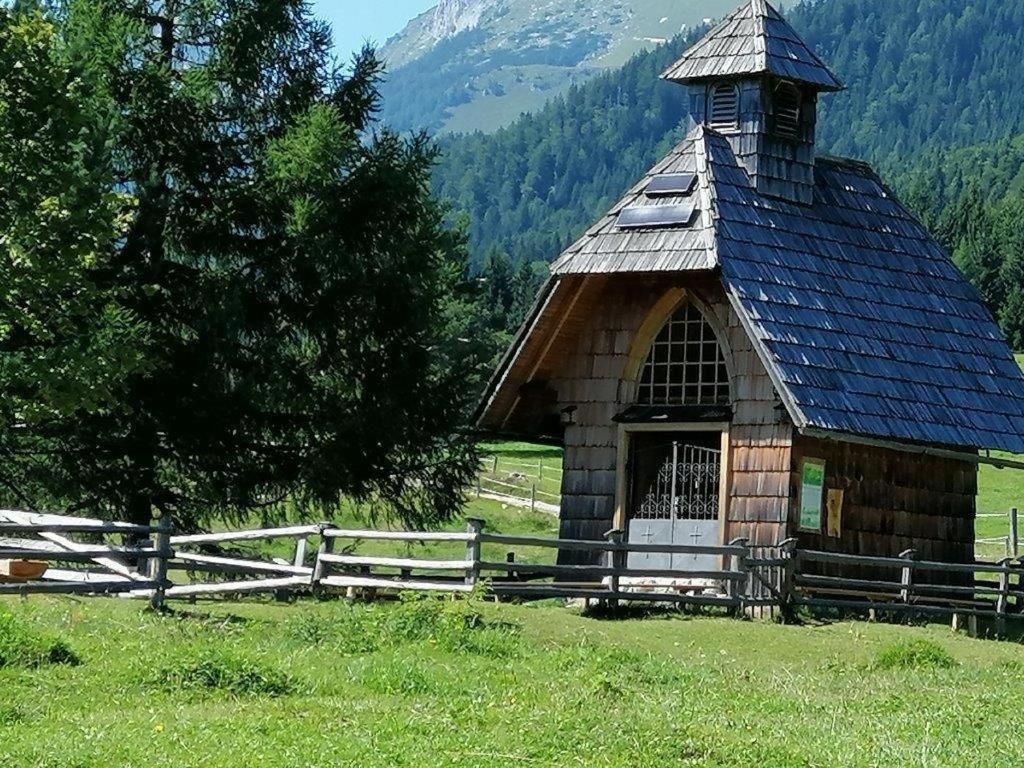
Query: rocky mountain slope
{"points": [[470, 65]]}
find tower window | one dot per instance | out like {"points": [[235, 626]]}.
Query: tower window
{"points": [[724, 107], [786, 110]]}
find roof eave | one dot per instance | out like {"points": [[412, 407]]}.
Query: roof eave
{"points": [[969, 454], [835, 86], [501, 372]]}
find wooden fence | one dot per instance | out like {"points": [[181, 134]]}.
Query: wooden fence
{"points": [[151, 562], [1007, 544], [38, 554], [524, 483]]}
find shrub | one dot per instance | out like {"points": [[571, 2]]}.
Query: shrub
{"points": [[347, 630], [914, 654], [219, 670], [23, 646], [450, 625]]}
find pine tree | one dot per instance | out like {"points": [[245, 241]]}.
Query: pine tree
{"points": [[977, 251], [1011, 271], [286, 276]]}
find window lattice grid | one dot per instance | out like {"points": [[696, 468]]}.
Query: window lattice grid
{"points": [[685, 365]]}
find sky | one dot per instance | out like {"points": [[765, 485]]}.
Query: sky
{"points": [[355, 21]]}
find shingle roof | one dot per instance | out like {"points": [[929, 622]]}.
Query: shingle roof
{"points": [[863, 320], [753, 40], [606, 248]]}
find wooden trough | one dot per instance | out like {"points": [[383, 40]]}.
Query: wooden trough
{"points": [[21, 570]]}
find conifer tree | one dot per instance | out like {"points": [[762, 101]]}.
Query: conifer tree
{"points": [[264, 277]]}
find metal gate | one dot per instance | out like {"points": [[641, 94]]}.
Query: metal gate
{"points": [[679, 505]]}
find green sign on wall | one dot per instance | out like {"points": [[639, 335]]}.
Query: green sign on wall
{"points": [[812, 492]]}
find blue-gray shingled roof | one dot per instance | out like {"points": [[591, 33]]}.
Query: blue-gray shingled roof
{"points": [[864, 322], [867, 324], [753, 40]]}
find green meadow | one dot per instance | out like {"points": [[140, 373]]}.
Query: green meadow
{"points": [[432, 682], [436, 682]]}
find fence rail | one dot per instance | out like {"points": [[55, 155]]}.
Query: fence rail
{"points": [[521, 482], [749, 578]]}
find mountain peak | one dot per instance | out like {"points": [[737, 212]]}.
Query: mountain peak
{"points": [[468, 65], [444, 21], [449, 17]]}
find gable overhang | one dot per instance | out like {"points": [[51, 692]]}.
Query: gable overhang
{"points": [[513, 352], [796, 415], [530, 347]]}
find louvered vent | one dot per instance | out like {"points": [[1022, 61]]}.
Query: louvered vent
{"points": [[724, 110], [787, 110]]}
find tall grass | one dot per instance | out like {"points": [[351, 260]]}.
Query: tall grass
{"points": [[23, 645]]}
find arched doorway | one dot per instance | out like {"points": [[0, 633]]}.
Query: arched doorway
{"points": [[673, 441]]}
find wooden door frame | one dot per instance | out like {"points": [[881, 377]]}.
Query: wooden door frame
{"points": [[622, 462]]}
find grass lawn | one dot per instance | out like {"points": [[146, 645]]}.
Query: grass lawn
{"points": [[998, 490], [436, 683], [427, 684]]}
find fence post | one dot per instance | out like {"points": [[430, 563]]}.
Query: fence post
{"points": [[907, 578], [789, 552], [1018, 598], [1003, 599], [540, 469], [1014, 537], [533, 497], [615, 559], [495, 469], [158, 563], [285, 594], [300, 552], [319, 567], [738, 588], [474, 527]]}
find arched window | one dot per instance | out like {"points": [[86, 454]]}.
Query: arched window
{"points": [[786, 110], [724, 107], [685, 365]]}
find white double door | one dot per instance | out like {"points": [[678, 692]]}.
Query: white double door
{"points": [[674, 500]]}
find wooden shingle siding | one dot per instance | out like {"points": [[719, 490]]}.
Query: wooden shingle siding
{"points": [[587, 370], [760, 440], [892, 501]]}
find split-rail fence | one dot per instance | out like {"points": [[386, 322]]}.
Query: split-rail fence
{"points": [[42, 553]]}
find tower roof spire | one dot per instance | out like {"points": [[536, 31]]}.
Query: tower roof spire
{"points": [[754, 39]]}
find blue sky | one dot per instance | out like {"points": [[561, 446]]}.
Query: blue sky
{"points": [[355, 21]]}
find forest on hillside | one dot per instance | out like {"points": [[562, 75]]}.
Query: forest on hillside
{"points": [[972, 199], [933, 100]]}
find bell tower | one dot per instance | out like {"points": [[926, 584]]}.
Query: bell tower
{"points": [[756, 82]]}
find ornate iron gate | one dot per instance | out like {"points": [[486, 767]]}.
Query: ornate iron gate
{"points": [[679, 505]]}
